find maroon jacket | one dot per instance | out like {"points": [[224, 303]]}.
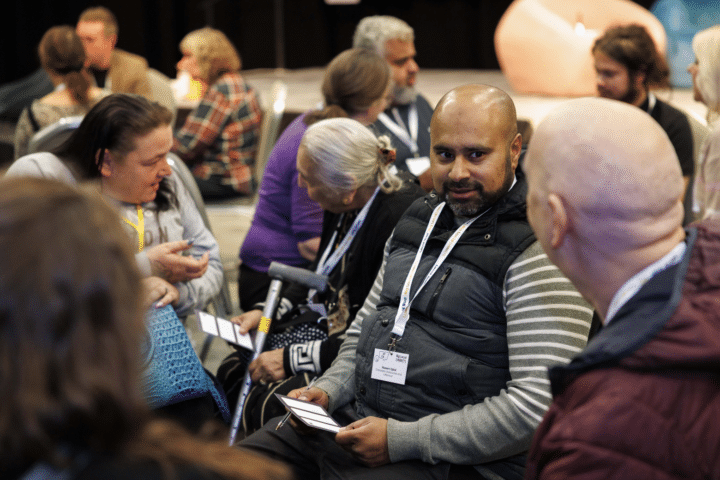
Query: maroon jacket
{"points": [[643, 400]]}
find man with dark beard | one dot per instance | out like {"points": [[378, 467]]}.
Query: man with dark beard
{"points": [[627, 64], [444, 370]]}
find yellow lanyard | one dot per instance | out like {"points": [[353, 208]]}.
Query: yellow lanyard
{"points": [[139, 228]]}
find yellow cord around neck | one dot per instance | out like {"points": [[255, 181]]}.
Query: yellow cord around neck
{"points": [[139, 228]]}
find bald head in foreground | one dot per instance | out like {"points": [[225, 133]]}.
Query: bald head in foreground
{"points": [[605, 201]]}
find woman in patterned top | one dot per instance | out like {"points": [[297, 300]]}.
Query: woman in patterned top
{"points": [[220, 137], [63, 58]]}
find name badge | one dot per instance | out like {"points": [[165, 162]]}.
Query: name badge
{"points": [[417, 166], [390, 366]]}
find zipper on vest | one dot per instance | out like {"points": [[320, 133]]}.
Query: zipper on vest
{"points": [[436, 293]]}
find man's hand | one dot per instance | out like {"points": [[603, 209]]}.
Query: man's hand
{"points": [[313, 395], [247, 321], [366, 440], [158, 293], [268, 366], [167, 262]]}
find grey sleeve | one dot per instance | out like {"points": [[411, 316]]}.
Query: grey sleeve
{"points": [[197, 293], [547, 324], [339, 380]]}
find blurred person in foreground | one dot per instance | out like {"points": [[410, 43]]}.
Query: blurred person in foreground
{"points": [[71, 329], [643, 399]]}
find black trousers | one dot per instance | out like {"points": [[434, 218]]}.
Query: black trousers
{"points": [[319, 457], [252, 287]]}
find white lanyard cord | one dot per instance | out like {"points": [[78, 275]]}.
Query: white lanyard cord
{"points": [[326, 265], [406, 135], [403, 313]]}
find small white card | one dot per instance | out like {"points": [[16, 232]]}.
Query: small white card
{"points": [[390, 366], [224, 329], [310, 414], [417, 165]]}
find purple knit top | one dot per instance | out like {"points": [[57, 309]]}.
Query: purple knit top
{"points": [[284, 215]]}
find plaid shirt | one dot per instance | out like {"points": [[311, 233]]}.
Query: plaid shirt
{"points": [[220, 137]]}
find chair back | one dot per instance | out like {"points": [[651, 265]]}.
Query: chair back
{"points": [[270, 127], [222, 302], [161, 91], [52, 136]]}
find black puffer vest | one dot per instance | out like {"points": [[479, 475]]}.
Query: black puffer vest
{"points": [[456, 335]]}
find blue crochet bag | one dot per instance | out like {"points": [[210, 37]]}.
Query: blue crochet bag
{"points": [[173, 372]]}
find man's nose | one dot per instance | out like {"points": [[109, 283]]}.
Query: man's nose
{"points": [[413, 66], [459, 170]]}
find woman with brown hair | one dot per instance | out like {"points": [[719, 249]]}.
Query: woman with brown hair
{"points": [[63, 58], [71, 330]]}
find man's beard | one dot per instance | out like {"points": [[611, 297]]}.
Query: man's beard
{"points": [[403, 95], [484, 200], [630, 96]]}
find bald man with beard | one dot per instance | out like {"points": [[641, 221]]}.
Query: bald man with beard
{"points": [[643, 399], [443, 373]]}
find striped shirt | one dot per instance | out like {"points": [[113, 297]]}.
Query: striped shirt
{"points": [[547, 324]]}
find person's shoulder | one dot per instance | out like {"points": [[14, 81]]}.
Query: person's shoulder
{"points": [[41, 164], [423, 103], [395, 204], [129, 58], [231, 85], [671, 112]]}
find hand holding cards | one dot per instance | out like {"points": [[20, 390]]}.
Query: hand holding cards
{"points": [[224, 329], [310, 414]]}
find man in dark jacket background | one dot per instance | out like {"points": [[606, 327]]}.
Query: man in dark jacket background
{"points": [[605, 201]]}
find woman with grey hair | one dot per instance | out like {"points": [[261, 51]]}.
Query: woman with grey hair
{"points": [[705, 72], [344, 168]]}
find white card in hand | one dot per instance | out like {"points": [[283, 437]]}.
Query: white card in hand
{"points": [[310, 414], [224, 329]]}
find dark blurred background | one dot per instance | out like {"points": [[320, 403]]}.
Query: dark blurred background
{"points": [[456, 34]]}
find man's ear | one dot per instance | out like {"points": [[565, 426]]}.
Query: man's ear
{"points": [[639, 79], [106, 168], [349, 197], [560, 220], [516, 149]]}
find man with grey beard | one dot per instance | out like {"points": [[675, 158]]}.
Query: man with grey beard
{"points": [[407, 119], [443, 373]]}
